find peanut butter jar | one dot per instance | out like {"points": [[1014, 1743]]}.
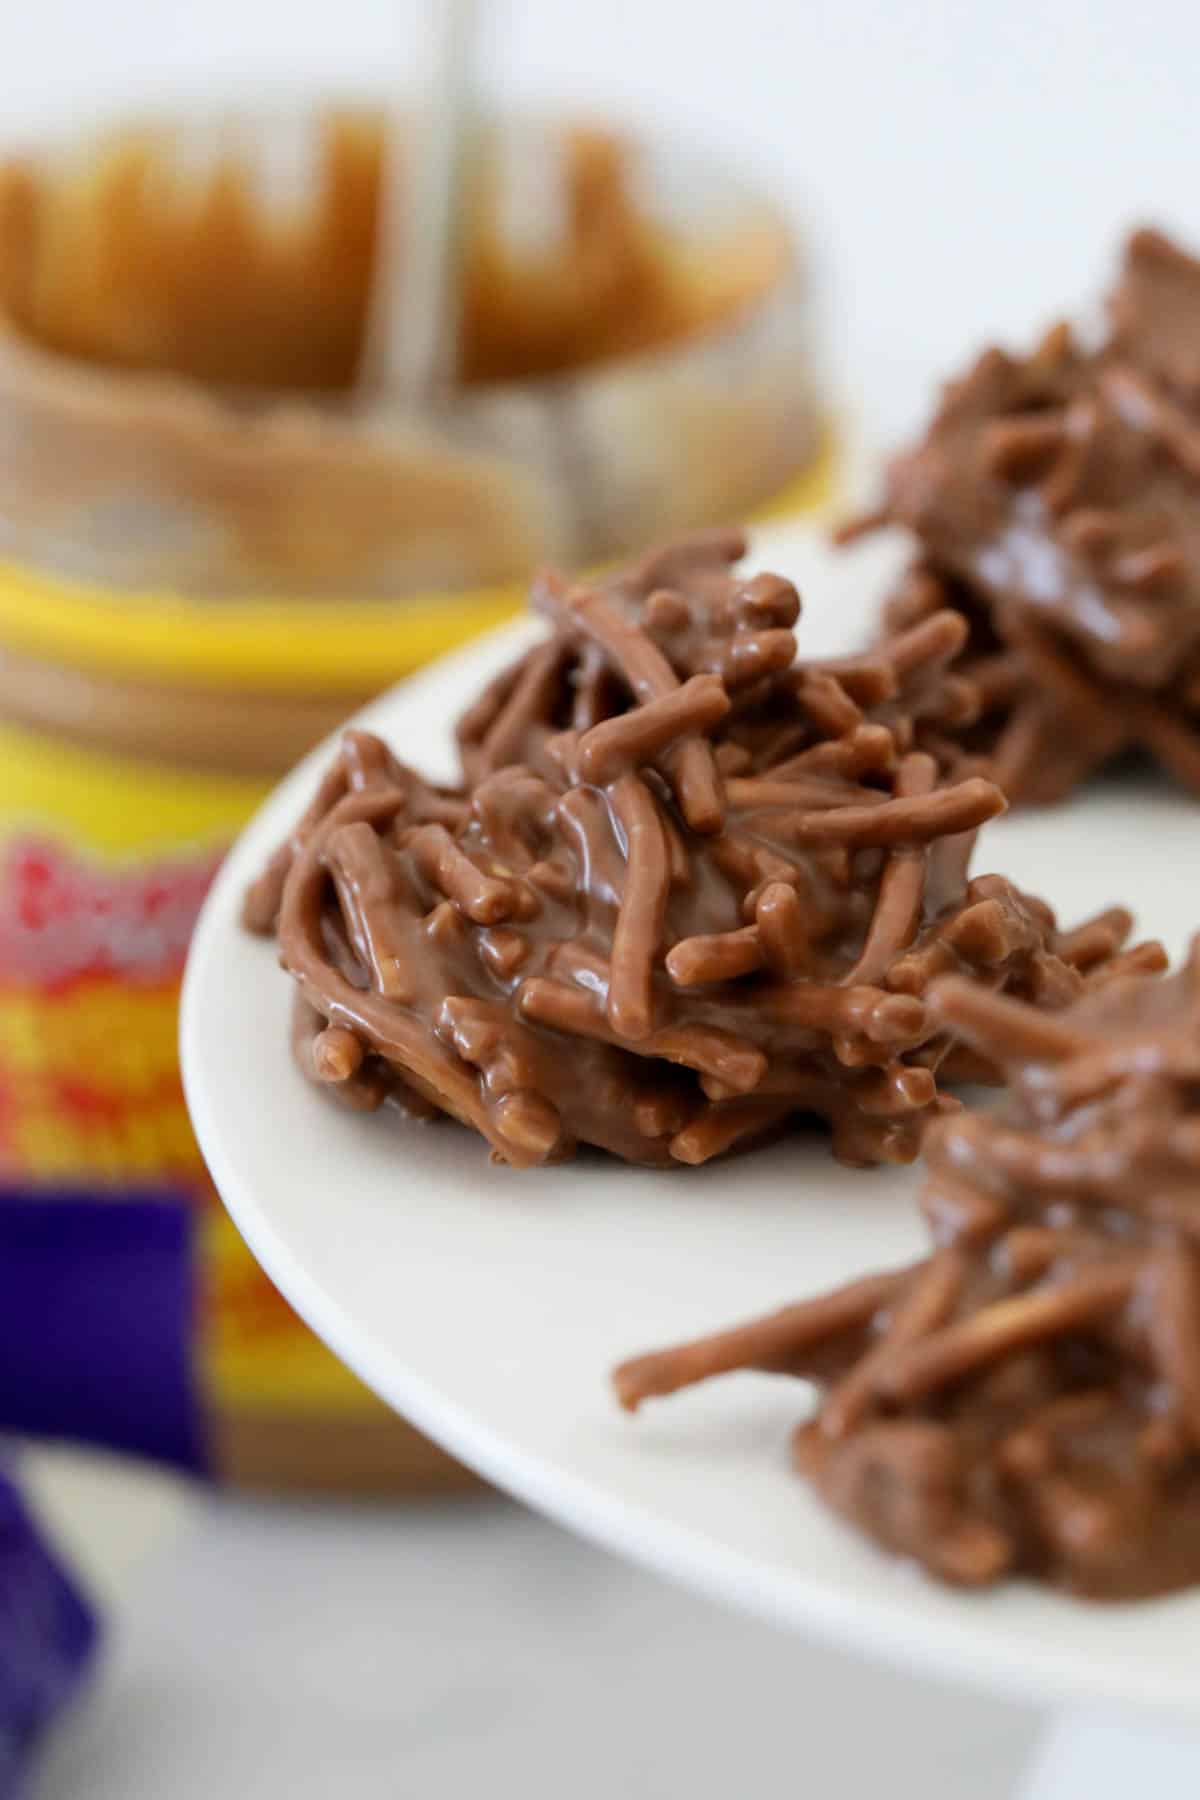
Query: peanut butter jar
{"points": [[214, 545]]}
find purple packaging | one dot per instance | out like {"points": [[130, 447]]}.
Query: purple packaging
{"points": [[47, 1635]]}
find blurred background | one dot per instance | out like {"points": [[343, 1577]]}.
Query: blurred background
{"points": [[962, 171], [848, 199]]}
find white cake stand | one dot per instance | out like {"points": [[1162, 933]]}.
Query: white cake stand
{"points": [[489, 1306]]}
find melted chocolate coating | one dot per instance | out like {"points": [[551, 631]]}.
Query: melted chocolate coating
{"points": [[693, 891], [692, 614], [1056, 502], [1028, 1398]]}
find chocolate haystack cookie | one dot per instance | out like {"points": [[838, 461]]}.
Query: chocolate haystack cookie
{"points": [[1056, 502], [1028, 1398], [682, 610], [693, 890]]}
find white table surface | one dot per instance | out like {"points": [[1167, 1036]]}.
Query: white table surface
{"points": [[258, 1650]]}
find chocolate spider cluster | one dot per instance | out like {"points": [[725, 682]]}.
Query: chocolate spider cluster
{"points": [[1055, 500], [692, 890], [1028, 1397], [682, 610]]}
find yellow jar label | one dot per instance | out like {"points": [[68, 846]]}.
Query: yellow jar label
{"points": [[104, 863]]}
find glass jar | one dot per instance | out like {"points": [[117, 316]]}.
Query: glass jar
{"points": [[214, 545]]}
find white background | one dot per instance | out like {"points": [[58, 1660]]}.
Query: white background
{"points": [[965, 170]]}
